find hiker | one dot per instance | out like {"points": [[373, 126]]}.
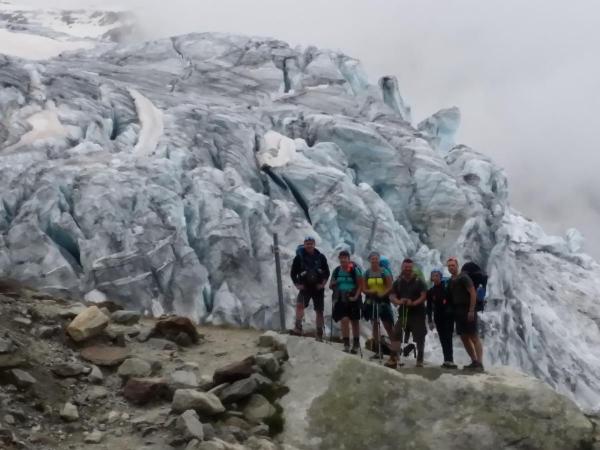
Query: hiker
{"points": [[377, 286], [409, 293], [439, 312], [347, 284], [464, 298], [310, 273]]}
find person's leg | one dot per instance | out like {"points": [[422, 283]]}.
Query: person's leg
{"points": [[319, 304], [445, 335], [466, 340], [300, 305], [345, 325], [478, 347], [354, 309]]}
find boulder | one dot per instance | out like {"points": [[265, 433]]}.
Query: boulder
{"points": [[268, 363], [21, 378], [69, 369], [105, 355], [420, 408], [95, 375], [95, 437], [272, 340], [125, 317], [88, 323], [239, 390], [234, 371], [171, 327], [69, 412], [134, 367], [6, 346], [189, 425], [183, 379], [258, 409], [141, 391], [161, 344], [204, 403]]}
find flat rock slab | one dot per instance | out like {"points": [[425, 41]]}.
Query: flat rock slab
{"points": [[146, 390], [105, 355], [234, 371]]}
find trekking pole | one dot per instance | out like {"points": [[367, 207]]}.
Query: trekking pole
{"points": [[379, 335], [331, 324]]}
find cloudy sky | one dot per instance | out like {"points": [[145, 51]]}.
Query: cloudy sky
{"points": [[525, 74]]}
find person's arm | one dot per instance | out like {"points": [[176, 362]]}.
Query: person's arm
{"points": [[333, 281], [359, 284], [430, 305], [295, 273], [473, 296], [388, 284], [393, 295], [420, 300], [325, 272]]}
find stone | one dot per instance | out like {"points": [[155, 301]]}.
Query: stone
{"points": [[264, 383], [104, 355], [125, 317], [72, 311], [104, 310], [183, 379], [87, 324], [6, 346], [217, 390], [190, 426], [273, 340], [68, 369], [269, 364], [183, 339], [9, 360], [234, 421], [69, 412], [96, 393], [234, 371], [22, 321], [95, 375], [161, 344], [141, 391], [145, 334], [134, 367], [112, 417], [239, 390], [9, 419], [21, 378], [204, 403], [95, 437], [258, 443], [258, 409], [170, 327], [425, 408], [205, 382], [260, 430]]}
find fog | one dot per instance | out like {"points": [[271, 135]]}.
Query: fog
{"points": [[526, 76]]}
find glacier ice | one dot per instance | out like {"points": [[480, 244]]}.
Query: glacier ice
{"points": [[161, 170]]}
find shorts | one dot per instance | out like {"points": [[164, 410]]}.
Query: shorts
{"points": [[384, 308], [347, 308], [318, 298], [463, 325], [415, 325]]}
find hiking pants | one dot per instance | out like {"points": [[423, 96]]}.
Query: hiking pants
{"points": [[445, 328]]}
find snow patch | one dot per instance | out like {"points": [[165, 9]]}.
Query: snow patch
{"points": [[276, 150], [95, 296], [151, 119], [29, 46], [45, 125]]}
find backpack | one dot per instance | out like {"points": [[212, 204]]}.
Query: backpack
{"points": [[385, 263], [480, 279], [353, 265], [310, 275]]}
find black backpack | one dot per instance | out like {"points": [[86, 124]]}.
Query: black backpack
{"points": [[480, 279]]}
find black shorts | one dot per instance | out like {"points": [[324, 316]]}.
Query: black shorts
{"points": [[415, 326], [347, 308], [463, 325], [317, 296], [384, 309]]}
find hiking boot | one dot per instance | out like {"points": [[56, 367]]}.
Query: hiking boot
{"points": [[408, 349], [449, 365], [376, 356], [346, 349], [354, 350], [319, 338], [392, 363], [419, 364], [473, 366]]}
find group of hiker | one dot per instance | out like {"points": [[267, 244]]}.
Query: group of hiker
{"points": [[448, 305]]}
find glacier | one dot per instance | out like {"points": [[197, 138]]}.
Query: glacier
{"points": [[155, 174]]}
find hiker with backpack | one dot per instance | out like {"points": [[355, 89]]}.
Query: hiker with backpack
{"points": [[310, 273], [464, 301], [408, 293], [440, 313], [377, 286], [347, 284]]}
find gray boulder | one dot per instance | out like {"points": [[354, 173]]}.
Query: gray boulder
{"points": [[204, 403], [134, 368], [239, 390], [424, 409], [125, 317], [189, 425]]}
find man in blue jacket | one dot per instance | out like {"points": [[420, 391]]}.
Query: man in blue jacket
{"points": [[310, 273]]}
